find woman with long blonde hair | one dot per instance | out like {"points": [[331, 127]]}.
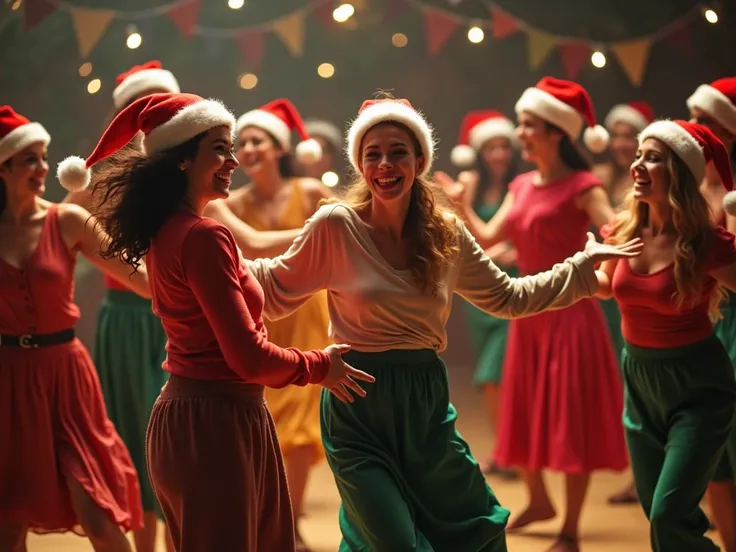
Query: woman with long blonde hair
{"points": [[391, 256], [680, 388]]}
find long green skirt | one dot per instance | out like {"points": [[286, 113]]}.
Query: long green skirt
{"points": [[678, 413], [406, 477], [129, 351], [725, 331]]}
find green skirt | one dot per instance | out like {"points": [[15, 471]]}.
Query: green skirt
{"points": [[725, 330], [129, 351], [678, 412], [406, 477]]}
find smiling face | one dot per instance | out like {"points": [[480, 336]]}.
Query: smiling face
{"points": [[649, 172], [257, 151], [25, 173], [537, 140], [210, 172], [389, 162]]}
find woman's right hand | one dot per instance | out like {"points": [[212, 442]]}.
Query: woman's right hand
{"points": [[341, 376], [599, 252]]}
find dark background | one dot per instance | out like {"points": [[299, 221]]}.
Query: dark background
{"points": [[39, 68]]}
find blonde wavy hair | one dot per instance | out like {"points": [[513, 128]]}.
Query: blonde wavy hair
{"points": [[433, 234], [692, 219]]}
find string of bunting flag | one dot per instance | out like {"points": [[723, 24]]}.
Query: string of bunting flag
{"points": [[90, 25]]}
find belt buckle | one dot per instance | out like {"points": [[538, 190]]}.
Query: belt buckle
{"points": [[26, 342]]}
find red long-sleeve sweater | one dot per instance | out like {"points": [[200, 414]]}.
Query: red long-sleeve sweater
{"points": [[211, 309]]}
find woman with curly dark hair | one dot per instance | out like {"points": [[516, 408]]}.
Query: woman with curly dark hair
{"points": [[211, 416], [391, 256]]}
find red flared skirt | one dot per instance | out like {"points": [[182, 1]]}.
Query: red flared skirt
{"points": [[54, 426], [562, 398]]}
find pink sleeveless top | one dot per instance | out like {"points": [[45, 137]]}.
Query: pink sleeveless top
{"points": [[39, 298]]}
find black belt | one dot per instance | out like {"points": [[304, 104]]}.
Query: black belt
{"points": [[34, 341]]}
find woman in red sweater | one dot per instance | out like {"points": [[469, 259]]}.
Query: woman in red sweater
{"points": [[680, 389], [212, 450]]}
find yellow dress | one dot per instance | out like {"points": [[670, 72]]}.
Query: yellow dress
{"points": [[295, 409]]}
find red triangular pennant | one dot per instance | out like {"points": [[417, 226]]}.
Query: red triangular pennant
{"points": [[251, 46], [438, 27], [36, 11], [574, 57], [502, 24], [682, 39], [184, 16]]}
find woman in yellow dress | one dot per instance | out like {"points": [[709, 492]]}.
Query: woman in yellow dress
{"points": [[277, 199]]}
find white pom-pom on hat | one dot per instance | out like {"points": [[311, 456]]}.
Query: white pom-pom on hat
{"points": [[462, 155], [596, 138], [73, 174], [308, 151], [729, 203]]}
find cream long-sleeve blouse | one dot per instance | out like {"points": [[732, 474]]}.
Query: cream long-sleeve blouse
{"points": [[374, 307]]}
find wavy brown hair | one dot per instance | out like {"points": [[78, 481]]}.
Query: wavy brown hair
{"points": [[432, 232], [137, 195], [692, 220]]}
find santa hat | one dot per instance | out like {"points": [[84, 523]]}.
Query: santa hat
{"points": [[166, 120], [566, 105], [390, 110], [279, 118], [695, 144], [717, 99], [637, 114], [326, 130], [17, 133], [142, 78], [476, 129]]}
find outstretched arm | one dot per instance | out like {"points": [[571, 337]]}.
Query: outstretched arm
{"points": [[88, 237], [250, 241]]}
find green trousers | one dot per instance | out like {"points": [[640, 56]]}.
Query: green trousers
{"points": [[129, 351], [407, 479], [725, 330], [678, 413]]}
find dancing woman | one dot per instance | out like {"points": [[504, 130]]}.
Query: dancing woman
{"points": [[391, 258], [211, 446], [63, 466], [680, 388]]}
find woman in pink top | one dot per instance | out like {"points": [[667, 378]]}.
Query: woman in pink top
{"points": [[562, 402], [212, 450]]}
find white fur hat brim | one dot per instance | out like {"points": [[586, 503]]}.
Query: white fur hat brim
{"points": [[681, 142], [186, 124], [391, 112], [626, 114], [716, 104], [153, 80], [265, 120], [20, 138], [552, 110]]}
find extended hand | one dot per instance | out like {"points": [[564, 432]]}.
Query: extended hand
{"points": [[341, 376], [599, 252], [454, 190]]}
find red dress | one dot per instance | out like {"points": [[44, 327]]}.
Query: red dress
{"points": [[53, 422], [562, 393]]}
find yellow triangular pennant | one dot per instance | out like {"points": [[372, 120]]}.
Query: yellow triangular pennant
{"points": [[290, 30], [540, 44], [89, 26], [633, 57]]}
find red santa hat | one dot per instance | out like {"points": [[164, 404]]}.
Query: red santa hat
{"points": [[279, 118], [637, 114], [566, 105], [17, 133], [476, 129], [389, 110], [166, 120], [695, 144], [717, 99], [143, 78]]}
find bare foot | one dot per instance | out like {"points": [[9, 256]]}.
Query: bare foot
{"points": [[625, 496], [532, 514], [565, 543], [491, 468]]}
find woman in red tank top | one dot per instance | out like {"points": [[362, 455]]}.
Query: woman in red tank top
{"points": [[63, 464], [211, 446], [680, 388]]}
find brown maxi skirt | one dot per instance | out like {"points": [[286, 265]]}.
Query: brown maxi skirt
{"points": [[216, 468]]}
